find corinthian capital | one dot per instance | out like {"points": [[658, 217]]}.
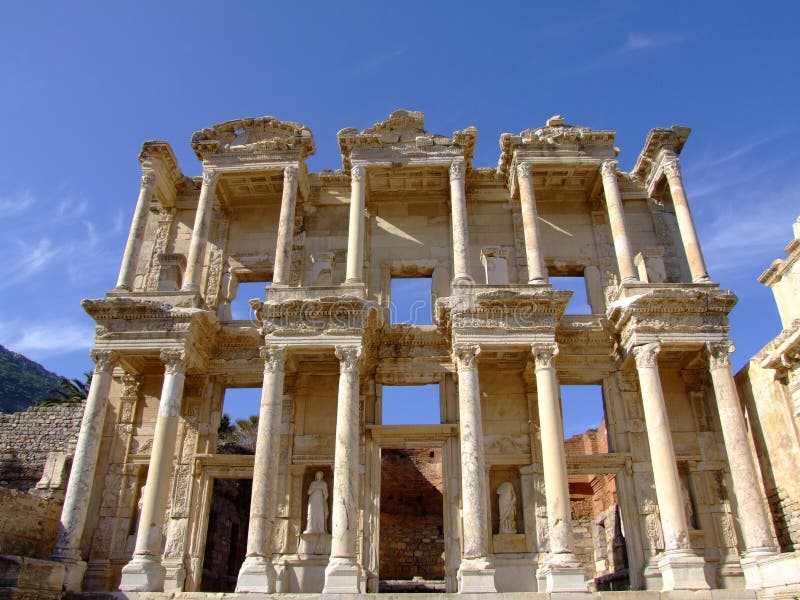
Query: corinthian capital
{"points": [[524, 170], [148, 179], [210, 176], [290, 175], [608, 168], [672, 166], [719, 355], [645, 355], [274, 358], [544, 355], [466, 355], [357, 173], [348, 358], [457, 169], [104, 360], [174, 360]]}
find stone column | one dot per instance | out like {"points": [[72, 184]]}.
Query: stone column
{"points": [[681, 568], [283, 248], [537, 272], [458, 203], [144, 573], [562, 570], [748, 495], [355, 238], [616, 217], [342, 572], [257, 573], [476, 570], [135, 236], [202, 223], [79, 486], [691, 244]]}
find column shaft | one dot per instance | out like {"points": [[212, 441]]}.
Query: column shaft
{"points": [[133, 246], [202, 223], [257, 573], [616, 217], [458, 202], [755, 526], [144, 572], [79, 487], [537, 272], [283, 248], [355, 238], [691, 244]]}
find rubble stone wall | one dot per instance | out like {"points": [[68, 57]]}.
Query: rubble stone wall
{"points": [[28, 524], [27, 437]]}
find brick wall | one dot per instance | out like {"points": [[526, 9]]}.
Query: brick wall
{"points": [[27, 437], [28, 524]]}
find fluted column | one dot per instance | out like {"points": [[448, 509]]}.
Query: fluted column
{"points": [[342, 572], [257, 573], [680, 567], [476, 570], [537, 272], [144, 573], [748, 494], [458, 203], [563, 572], [691, 244], [616, 217], [79, 487], [283, 248], [133, 246], [202, 223], [355, 238]]}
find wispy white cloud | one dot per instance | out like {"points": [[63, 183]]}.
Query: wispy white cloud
{"points": [[17, 202], [50, 338], [643, 41]]}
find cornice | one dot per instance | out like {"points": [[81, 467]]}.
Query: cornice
{"points": [[658, 139], [262, 135]]}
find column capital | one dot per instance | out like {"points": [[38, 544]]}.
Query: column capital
{"points": [[274, 358], [148, 179], [457, 170], [524, 170], [104, 360], [290, 174], [544, 355], [671, 166], [466, 355], [719, 354], [174, 360], [348, 358], [645, 355], [357, 172], [608, 168], [210, 176]]}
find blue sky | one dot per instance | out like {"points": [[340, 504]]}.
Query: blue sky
{"points": [[85, 83]]}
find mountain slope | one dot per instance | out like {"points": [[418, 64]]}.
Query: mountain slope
{"points": [[23, 382]]}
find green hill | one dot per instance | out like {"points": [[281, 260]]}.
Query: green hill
{"points": [[23, 382]]}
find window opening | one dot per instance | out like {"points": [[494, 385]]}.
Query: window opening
{"points": [[410, 404], [239, 422], [245, 291], [410, 300], [579, 303]]}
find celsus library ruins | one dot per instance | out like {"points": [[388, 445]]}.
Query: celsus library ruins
{"points": [[688, 483]]}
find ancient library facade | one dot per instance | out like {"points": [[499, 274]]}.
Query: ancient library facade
{"points": [[666, 493]]}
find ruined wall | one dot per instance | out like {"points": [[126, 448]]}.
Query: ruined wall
{"points": [[28, 524], [27, 437]]}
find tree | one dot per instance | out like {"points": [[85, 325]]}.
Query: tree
{"points": [[70, 391], [247, 431]]}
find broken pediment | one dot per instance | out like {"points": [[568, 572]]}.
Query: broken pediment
{"points": [[254, 136]]}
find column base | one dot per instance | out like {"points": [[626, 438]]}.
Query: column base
{"points": [[142, 574], [74, 570], [342, 576], [476, 576], [563, 573], [190, 287], [256, 575], [682, 570], [702, 279], [538, 281], [750, 563]]}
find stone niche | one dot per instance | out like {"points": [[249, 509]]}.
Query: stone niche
{"points": [[315, 543], [506, 540]]}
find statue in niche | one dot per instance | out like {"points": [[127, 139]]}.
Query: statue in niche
{"points": [[317, 504], [508, 507]]}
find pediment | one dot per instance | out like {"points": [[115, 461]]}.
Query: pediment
{"points": [[254, 136]]}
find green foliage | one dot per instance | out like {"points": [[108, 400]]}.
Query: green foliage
{"points": [[70, 391], [23, 382], [241, 435]]}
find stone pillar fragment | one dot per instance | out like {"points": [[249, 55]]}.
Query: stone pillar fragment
{"points": [[342, 575], [202, 223], [537, 272], [145, 573], [257, 573], [691, 244], [563, 572], [616, 217], [476, 570], [748, 495], [133, 246], [681, 568], [283, 247], [458, 204], [79, 486], [355, 238]]}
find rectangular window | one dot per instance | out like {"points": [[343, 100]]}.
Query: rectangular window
{"points": [[584, 419], [239, 424], [410, 405], [245, 291], [410, 300], [579, 303]]}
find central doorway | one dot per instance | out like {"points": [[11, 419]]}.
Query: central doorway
{"points": [[412, 540]]}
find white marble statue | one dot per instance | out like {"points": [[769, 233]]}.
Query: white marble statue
{"points": [[508, 507], [317, 504]]}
